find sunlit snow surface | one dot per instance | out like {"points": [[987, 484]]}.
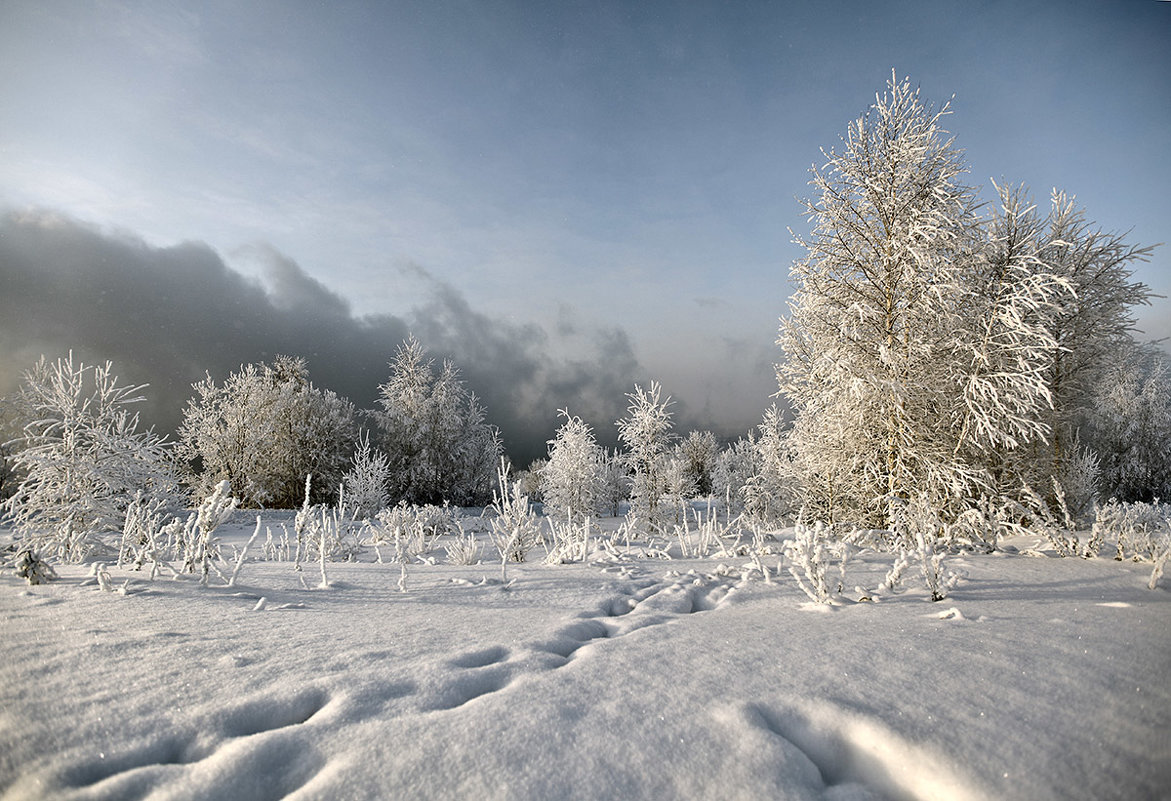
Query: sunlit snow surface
{"points": [[1038, 678]]}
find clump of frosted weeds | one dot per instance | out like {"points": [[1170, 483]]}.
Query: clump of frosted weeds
{"points": [[919, 529], [809, 554], [141, 533], [365, 482], [194, 538], [1139, 529], [515, 528], [463, 549], [570, 540]]}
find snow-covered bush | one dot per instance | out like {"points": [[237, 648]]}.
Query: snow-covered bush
{"points": [[366, 481], [29, 565], [193, 540], [515, 527], [1139, 530], [435, 433], [82, 458], [615, 483], [983, 524], [464, 548], [734, 466], [810, 553], [570, 540], [531, 480], [141, 540], [408, 527], [767, 492], [646, 433], [263, 431], [919, 528], [571, 481]]}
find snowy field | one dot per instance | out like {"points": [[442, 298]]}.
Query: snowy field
{"points": [[621, 677]]}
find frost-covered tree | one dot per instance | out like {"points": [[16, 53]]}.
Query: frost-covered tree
{"points": [[435, 433], [263, 430], [615, 483], [767, 493], [530, 480], [82, 457], [698, 452], [571, 481], [1092, 326], [734, 466], [646, 433], [11, 434], [1129, 425], [902, 359], [366, 481]]}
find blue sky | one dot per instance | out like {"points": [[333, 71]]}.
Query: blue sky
{"points": [[567, 167]]}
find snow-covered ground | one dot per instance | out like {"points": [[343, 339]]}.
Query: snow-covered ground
{"points": [[1038, 678]]}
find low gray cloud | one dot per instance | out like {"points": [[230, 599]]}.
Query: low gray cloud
{"points": [[167, 315]]}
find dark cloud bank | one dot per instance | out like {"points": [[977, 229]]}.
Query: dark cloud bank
{"points": [[165, 316]]}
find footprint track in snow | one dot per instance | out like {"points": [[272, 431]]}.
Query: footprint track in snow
{"points": [[646, 603], [260, 729], [270, 730]]}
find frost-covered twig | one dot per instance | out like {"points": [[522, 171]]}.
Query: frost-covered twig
{"points": [[243, 554]]}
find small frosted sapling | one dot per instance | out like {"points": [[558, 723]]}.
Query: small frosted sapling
{"points": [[32, 568], [515, 528]]}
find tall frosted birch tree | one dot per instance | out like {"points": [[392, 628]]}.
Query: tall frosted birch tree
{"points": [[903, 357]]}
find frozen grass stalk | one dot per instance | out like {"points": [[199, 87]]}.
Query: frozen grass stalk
{"points": [[243, 554]]}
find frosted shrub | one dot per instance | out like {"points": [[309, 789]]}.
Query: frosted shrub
{"points": [[919, 528], [366, 481], [410, 526], [194, 541], [82, 458], [570, 540], [984, 523], [615, 483], [646, 433], [734, 466], [571, 481], [1140, 530], [435, 432], [515, 528], [264, 429], [809, 555], [699, 452], [145, 518], [1057, 523], [32, 568], [464, 549]]}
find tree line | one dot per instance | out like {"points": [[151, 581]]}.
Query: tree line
{"points": [[941, 358]]}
